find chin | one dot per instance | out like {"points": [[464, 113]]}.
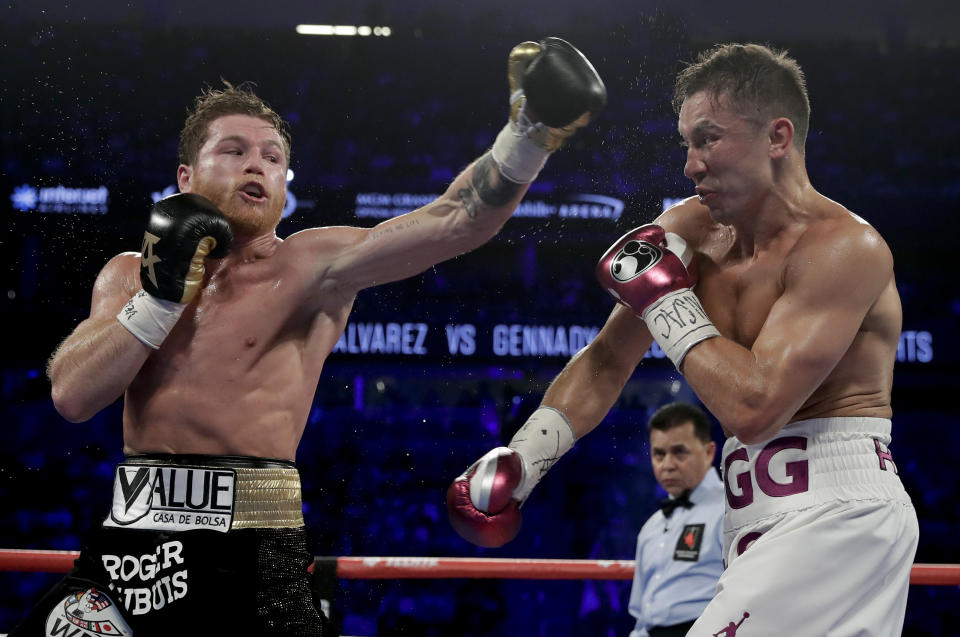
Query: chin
{"points": [[721, 215], [252, 220]]}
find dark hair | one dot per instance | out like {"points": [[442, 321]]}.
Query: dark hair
{"points": [[678, 414], [756, 79], [232, 100]]}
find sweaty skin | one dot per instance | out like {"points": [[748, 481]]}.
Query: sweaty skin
{"points": [[801, 290], [238, 372]]}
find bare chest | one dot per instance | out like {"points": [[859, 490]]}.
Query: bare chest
{"points": [[239, 310], [236, 321], [738, 295]]}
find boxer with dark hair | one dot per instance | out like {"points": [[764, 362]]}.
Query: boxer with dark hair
{"points": [[216, 334], [780, 308]]}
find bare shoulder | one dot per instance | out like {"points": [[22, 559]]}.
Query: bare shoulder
{"points": [[844, 231], [842, 239], [690, 219], [123, 270], [118, 280], [315, 253]]}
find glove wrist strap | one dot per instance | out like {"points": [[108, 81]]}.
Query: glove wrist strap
{"points": [[150, 319], [541, 441], [677, 322], [518, 157]]}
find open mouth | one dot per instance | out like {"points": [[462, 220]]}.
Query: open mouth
{"points": [[253, 190]]}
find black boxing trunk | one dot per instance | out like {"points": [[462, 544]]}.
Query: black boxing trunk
{"points": [[192, 545]]}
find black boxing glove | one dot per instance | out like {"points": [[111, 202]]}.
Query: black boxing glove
{"points": [[554, 90], [182, 231]]}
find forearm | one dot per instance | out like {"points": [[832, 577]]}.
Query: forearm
{"points": [[588, 387], [471, 211], [484, 201], [737, 389], [93, 367]]}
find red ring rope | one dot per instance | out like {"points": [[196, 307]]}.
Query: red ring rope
{"points": [[454, 567]]}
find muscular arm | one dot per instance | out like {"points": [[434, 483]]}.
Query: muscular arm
{"points": [[592, 380], [829, 286], [469, 213], [96, 363]]}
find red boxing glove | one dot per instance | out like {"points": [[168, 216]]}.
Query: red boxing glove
{"points": [[644, 265], [646, 270], [480, 503]]}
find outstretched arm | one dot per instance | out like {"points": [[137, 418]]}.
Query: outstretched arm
{"points": [[484, 502], [555, 91], [471, 211]]}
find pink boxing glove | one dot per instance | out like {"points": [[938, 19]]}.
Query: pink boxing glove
{"points": [[484, 502], [646, 270], [480, 503], [642, 266]]}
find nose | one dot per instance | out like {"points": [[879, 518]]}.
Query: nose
{"points": [[668, 463], [254, 164], [694, 168]]}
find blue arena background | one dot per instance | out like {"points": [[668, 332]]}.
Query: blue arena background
{"points": [[435, 370]]}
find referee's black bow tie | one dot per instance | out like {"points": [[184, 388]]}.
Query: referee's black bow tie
{"points": [[668, 505]]}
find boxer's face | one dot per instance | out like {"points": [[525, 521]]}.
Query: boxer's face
{"points": [[679, 458], [727, 156], [242, 168]]}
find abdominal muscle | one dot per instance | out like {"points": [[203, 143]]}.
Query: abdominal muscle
{"points": [[221, 385], [231, 408]]}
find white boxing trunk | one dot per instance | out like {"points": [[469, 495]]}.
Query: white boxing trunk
{"points": [[819, 534]]}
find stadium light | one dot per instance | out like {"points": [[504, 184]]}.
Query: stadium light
{"points": [[342, 29]]}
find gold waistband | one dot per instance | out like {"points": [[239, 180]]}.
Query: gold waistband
{"points": [[267, 497], [266, 492]]}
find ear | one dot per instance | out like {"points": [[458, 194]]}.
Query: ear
{"points": [[781, 137], [184, 177], [711, 450]]}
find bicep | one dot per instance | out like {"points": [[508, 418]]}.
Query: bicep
{"points": [[815, 320], [117, 281], [471, 211], [396, 248]]}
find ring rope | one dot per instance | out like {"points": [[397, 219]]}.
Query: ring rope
{"points": [[32, 560]]}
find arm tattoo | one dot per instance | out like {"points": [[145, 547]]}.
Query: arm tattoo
{"points": [[489, 187], [396, 227]]}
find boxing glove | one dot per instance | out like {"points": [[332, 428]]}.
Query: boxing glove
{"points": [[182, 231], [646, 270], [554, 90], [480, 501], [483, 503]]}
